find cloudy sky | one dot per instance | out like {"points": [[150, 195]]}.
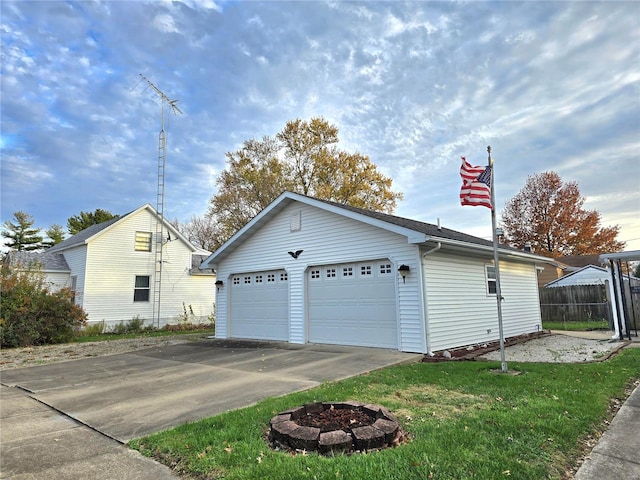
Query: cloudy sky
{"points": [[413, 85]]}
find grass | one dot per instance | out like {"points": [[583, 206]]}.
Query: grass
{"points": [[464, 422], [577, 326]]}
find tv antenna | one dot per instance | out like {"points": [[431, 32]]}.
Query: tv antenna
{"points": [[159, 238]]}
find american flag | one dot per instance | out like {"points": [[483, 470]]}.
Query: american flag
{"points": [[476, 185]]}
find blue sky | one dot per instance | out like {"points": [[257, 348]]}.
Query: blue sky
{"points": [[413, 85]]}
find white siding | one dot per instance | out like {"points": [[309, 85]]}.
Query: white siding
{"points": [[56, 281], [325, 238], [459, 310], [588, 276], [76, 258], [112, 265]]}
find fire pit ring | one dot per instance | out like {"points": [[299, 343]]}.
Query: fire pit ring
{"points": [[335, 427]]}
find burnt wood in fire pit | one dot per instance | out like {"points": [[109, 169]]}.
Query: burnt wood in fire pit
{"points": [[335, 427]]}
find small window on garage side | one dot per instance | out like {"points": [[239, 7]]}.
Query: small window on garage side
{"points": [[284, 277], [258, 278], [236, 280], [330, 273], [143, 242], [347, 271], [271, 277], [365, 270], [385, 269], [247, 280], [142, 288], [315, 274], [490, 272]]}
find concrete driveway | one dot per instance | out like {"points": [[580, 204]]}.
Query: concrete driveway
{"points": [[130, 395]]}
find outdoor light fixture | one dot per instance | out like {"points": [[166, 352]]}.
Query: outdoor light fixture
{"points": [[404, 271], [219, 284], [296, 254]]}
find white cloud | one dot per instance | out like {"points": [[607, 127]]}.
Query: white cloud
{"points": [[165, 23]]}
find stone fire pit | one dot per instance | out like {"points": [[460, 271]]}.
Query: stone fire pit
{"points": [[335, 427]]}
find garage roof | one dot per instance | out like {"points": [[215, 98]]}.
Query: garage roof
{"points": [[415, 231]]}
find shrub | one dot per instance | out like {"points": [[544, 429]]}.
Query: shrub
{"points": [[135, 325], [92, 330], [31, 314]]}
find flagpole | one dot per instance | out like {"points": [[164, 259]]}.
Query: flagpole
{"points": [[496, 263]]}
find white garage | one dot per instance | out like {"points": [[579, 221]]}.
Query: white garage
{"points": [[260, 305], [328, 273], [353, 304]]}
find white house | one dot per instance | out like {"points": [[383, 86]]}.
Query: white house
{"points": [[306, 270], [111, 268]]}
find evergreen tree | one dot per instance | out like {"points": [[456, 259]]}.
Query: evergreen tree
{"points": [[55, 234], [21, 233], [83, 220]]}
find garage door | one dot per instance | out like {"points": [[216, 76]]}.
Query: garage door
{"points": [[353, 304], [260, 305]]}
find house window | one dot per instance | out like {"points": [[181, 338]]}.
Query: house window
{"points": [[331, 273], [385, 268], [271, 277], [142, 288], [236, 280], [490, 272], [258, 278], [143, 242], [365, 270], [283, 277], [315, 274], [347, 271], [247, 280]]}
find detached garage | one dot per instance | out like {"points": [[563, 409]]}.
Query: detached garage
{"points": [[310, 271]]}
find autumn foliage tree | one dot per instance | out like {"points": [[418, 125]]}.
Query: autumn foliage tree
{"points": [[302, 158], [549, 214]]}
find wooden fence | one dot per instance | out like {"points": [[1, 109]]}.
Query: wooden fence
{"points": [[575, 303], [580, 303]]}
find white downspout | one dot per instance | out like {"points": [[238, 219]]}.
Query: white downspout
{"points": [[424, 298]]}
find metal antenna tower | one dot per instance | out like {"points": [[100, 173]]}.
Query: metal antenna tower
{"points": [[159, 237]]}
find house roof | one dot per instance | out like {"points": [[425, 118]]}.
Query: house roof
{"points": [[415, 231], [91, 232], [580, 261], [49, 261]]}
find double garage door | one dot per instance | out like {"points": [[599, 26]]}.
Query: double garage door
{"points": [[347, 304]]}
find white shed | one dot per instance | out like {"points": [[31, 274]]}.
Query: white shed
{"points": [[311, 271]]}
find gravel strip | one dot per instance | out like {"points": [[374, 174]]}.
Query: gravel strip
{"points": [[40, 355], [557, 349]]}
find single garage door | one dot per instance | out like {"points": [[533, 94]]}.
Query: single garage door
{"points": [[353, 304], [260, 305]]}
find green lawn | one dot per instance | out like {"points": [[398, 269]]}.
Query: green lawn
{"points": [[463, 421], [576, 326]]}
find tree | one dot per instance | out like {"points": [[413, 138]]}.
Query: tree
{"points": [[21, 234], [83, 220], [636, 270], [302, 158], [548, 213], [55, 233], [199, 230]]}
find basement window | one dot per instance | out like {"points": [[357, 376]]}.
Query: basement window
{"points": [[490, 274], [142, 288], [143, 242]]}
